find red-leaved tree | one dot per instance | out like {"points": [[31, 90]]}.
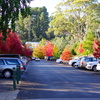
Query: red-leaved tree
{"points": [[96, 48], [14, 43], [66, 54], [3, 47], [48, 49], [27, 52]]}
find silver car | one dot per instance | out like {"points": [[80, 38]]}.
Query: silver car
{"points": [[7, 65], [85, 60]]}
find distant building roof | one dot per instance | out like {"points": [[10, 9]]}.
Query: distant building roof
{"points": [[32, 44]]}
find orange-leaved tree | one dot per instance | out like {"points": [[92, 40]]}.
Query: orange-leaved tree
{"points": [[96, 48], [66, 54], [79, 49]]}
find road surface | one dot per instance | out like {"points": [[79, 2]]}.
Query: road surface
{"points": [[49, 80]]}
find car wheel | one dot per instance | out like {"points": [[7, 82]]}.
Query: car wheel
{"points": [[73, 64], [7, 73], [61, 62], [76, 66], [94, 68]]}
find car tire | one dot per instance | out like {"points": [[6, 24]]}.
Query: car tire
{"points": [[73, 64], [76, 66], [94, 68], [7, 73], [61, 62]]}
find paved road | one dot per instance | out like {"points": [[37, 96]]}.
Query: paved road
{"points": [[49, 80], [5, 84]]}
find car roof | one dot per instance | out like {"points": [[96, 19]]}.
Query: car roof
{"points": [[8, 58], [10, 55]]}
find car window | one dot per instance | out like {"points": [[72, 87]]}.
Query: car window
{"points": [[1, 62], [88, 59], [94, 59], [12, 61]]}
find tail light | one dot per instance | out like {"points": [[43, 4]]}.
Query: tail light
{"points": [[99, 62], [82, 63], [21, 68]]}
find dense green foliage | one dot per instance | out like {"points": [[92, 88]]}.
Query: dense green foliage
{"points": [[76, 18], [33, 27], [9, 11]]}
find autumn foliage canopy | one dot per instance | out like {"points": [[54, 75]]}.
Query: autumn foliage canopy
{"points": [[96, 47], [13, 45], [66, 54], [80, 49], [48, 49]]}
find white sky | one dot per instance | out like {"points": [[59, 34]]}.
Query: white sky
{"points": [[49, 4]]}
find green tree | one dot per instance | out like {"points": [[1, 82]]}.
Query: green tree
{"points": [[56, 52], [40, 22], [9, 13], [60, 43], [24, 28], [43, 42], [87, 44], [76, 18]]}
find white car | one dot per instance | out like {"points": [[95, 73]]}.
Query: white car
{"points": [[59, 61], [33, 58], [98, 66], [91, 65], [77, 64], [73, 61], [37, 59], [62, 61]]}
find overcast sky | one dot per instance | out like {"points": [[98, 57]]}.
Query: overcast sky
{"points": [[49, 4]]}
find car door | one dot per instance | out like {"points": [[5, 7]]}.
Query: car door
{"points": [[2, 64]]}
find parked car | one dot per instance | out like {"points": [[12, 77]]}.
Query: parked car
{"points": [[59, 61], [37, 59], [11, 55], [24, 60], [73, 61], [91, 65], [7, 65], [77, 64], [85, 60], [33, 58], [98, 66]]}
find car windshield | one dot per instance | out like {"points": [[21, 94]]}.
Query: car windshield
{"points": [[12, 61]]}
